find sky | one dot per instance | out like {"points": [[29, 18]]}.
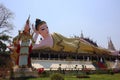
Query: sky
{"points": [[97, 19]]}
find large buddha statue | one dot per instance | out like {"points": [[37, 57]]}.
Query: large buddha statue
{"points": [[57, 42]]}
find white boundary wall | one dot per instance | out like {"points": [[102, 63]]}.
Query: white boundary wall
{"points": [[68, 65]]}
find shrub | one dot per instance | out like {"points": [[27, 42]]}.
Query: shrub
{"points": [[44, 74], [57, 76], [40, 70], [111, 71]]}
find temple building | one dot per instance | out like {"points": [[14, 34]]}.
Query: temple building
{"points": [[56, 51], [53, 60]]}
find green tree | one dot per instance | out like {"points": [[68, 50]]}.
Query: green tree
{"points": [[5, 27]]}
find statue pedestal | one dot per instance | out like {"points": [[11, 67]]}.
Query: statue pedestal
{"points": [[24, 72]]}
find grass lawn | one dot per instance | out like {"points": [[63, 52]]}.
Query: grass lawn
{"points": [[92, 77]]}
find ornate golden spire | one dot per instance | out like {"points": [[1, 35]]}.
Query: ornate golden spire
{"points": [[110, 45], [28, 20]]}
